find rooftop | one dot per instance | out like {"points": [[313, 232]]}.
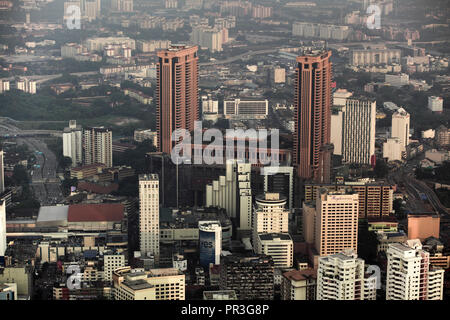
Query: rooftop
{"points": [[95, 212]]}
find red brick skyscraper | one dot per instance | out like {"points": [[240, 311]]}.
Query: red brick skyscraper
{"points": [[177, 92], [312, 117]]}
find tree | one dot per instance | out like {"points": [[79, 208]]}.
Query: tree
{"points": [[367, 243], [20, 175], [381, 169], [65, 162]]}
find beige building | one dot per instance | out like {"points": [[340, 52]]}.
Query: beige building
{"points": [[336, 227], [277, 245], [154, 284], [299, 285]]}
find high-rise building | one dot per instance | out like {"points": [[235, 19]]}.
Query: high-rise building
{"points": [[409, 274], [336, 222], [341, 276], [358, 131], [177, 93], [149, 215], [251, 277], [270, 215], [233, 192], [375, 197], [299, 285], [111, 262], [73, 143], [4, 85], [2, 172], [97, 146], [312, 117], [442, 136], [26, 85], [280, 180], [279, 246], [2, 228], [400, 127]]}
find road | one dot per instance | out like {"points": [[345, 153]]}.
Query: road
{"points": [[238, 57], [45, 183]]}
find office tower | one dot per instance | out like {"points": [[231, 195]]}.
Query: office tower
{"points": [[2, 228], [111, 262], [358, 131], [341, 277], [177, 93], [280, 180], [393, 149], [375, 197], [149, 215], [97, 146], [270, 215], [251, 277], [233, 193], [73, 143], [400, 127], [2, 172], [279, 246], [299, 285], [312, 116], [336, 226], [210, 242], [410, 275]]}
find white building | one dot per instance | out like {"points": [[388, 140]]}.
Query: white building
{"points": [[2, 228], [368, 57], [340, 97], [98, 43], [435, 104], [111, 262], [270, 215], [155, 284], [152, 45], [233, 193], [393, 149], [428, 134], [2, 172], [210, 105], [400, 127], [208, 37], [277, 245], [409, 274], [26, 85], [4, 86], [341, 277], [397, 80], [97, 146], [149, 215], [358, 131], [279, 75], [73, 143], [336, 129], [248, 109]]}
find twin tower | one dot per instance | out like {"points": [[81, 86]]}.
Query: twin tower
{"points": [[177, 98]]}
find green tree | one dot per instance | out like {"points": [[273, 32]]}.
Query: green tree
{"points": [[381, 169]]}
